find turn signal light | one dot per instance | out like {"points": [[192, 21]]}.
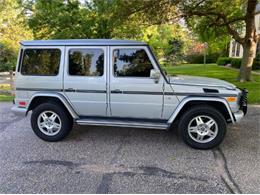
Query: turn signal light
{"points": [[231, 99]]}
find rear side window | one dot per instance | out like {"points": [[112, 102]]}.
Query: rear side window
{"points": [[41, 62], [131, 63], [86, 62]]}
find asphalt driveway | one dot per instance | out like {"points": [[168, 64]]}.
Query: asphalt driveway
{"points": [[126, 160]]}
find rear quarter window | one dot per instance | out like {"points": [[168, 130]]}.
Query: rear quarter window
{"points": [[41, 62]]}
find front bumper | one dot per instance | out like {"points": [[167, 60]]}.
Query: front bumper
{"points": [[243, 101], [238, 116], [242, 106], [19, 111]]}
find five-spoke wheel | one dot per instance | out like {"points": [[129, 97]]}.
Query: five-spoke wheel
{"points": [[51, 121], [202, 127]]}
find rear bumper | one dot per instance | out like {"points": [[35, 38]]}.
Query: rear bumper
{"points": [[19, 111]]}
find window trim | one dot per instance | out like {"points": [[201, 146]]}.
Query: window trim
{"points": [[20, 60], [130, 47], [41, 75], [82, 48]]}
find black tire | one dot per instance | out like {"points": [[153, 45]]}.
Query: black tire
{"points": [[65, 118], [189, 116]]}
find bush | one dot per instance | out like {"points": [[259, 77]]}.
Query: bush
{"points": [[256, 63], [7, 59], [222, 61], [236, 62], [199, 58]]}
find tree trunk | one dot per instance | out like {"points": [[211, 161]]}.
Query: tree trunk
{"points": [[249, 50]]}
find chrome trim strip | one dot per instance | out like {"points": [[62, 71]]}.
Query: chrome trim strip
{"points": [[130, 92], [121, 124], [37, 89]]}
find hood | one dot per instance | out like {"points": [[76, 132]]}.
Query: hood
{"points": [[200, 81]]}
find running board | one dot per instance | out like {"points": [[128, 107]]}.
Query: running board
{"points": [[123, 123]]}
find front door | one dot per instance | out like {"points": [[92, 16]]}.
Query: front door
{"points": [[85, 80], [132, 93]]}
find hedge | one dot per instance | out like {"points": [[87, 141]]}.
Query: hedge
{"points": [[222, 61], [236, 62], [199, 58]]}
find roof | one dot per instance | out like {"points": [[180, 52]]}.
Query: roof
{"points": [[77, 42]]}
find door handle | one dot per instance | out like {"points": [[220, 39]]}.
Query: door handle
{"points": [[116, 91], [70, 90]]}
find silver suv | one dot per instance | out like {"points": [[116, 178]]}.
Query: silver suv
{"points": [[119, 83]]}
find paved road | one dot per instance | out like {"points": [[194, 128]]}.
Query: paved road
{"points": [[125, 160]]}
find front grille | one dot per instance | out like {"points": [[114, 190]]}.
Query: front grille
{"points": [[243, 101]]}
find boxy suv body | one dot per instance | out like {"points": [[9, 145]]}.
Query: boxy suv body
{"points": [[118, 83]]}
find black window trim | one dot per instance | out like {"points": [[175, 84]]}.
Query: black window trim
{"points": [[20, 60], [41, 75], [81, 48], [132, 47]]}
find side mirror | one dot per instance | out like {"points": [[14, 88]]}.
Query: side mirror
{"points": [[155, 74]]}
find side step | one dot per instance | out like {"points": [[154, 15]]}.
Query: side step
{"points": [[123, 123]]}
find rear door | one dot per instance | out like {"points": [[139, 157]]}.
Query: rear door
{"points": [[85, 79], [132, 93]]}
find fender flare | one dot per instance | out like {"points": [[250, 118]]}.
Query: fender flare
{"points": [[59, 96], [207, 99]]}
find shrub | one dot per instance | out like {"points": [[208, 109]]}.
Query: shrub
{"points": [[256, 63], [199, 58], [236, 62], [222, 61]]}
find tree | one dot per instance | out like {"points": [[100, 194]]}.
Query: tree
{"points": [[13, 29], [236, 18]]}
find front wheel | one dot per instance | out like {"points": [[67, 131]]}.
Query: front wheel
{"points": [[202, 127], [51, 122]]}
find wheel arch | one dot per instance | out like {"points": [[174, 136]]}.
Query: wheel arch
{"points": [[39, 98], [218, 103]]}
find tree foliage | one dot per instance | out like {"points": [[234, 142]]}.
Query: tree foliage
{"points": [[236, 18], [13, 29]]}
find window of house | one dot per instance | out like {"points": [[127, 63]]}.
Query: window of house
{"points": [[259, 23], [86, 62], [238, 50], [131, 63], [41, 62], [233, 48]]}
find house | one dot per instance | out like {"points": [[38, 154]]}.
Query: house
{"points": [[236, 49]]}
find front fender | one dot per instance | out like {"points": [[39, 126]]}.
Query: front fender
{"points": [[200, 99]]}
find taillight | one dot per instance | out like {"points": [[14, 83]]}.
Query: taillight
{"points": [[22, 104]]}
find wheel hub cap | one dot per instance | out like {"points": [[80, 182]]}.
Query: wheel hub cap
{"points": [[202, 129], [49, 123]]}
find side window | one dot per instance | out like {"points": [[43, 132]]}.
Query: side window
{"points": [[131, 63], [86, 62], [41, 62]]}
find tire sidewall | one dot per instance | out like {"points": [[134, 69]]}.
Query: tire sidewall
{"points": [[66, 122], [207, 111]]}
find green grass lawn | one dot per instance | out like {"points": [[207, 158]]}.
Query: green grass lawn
{"points": [[214, 71], [6, 98]]}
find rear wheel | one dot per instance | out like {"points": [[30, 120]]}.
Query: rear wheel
{"points": [[202, 127], [51, 122]]}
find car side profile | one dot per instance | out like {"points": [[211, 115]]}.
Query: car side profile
{"points": [[119, 83]]}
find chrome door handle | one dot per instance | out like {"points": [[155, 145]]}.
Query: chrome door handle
{"points": [[116, 91], [70, 90]]}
